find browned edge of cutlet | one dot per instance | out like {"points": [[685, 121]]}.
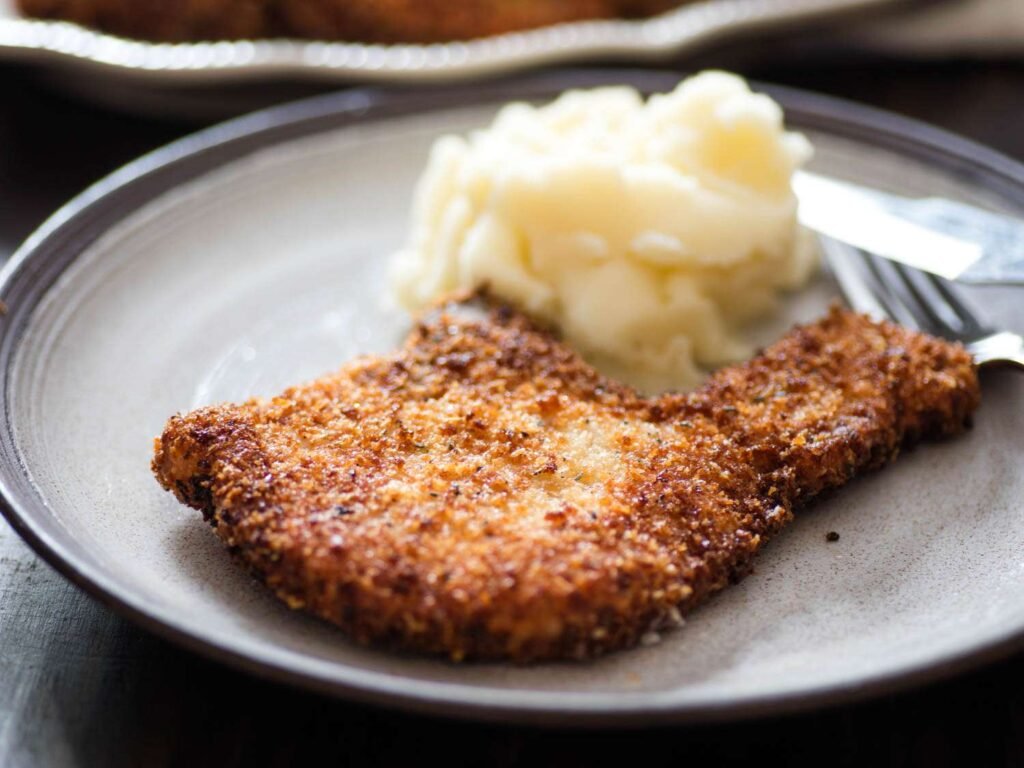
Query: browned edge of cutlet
{"points": [[680, 517]]}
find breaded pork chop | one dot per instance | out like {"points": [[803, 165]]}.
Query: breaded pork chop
{"points": [[485, 493]]}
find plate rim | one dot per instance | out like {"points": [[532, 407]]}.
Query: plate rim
{"points": [[34, 267], [661, 35]]}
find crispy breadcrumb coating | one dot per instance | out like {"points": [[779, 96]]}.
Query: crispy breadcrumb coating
{"points": [[484, 493]]}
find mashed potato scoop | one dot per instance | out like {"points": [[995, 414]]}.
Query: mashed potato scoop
{"points": [[648, 232]]}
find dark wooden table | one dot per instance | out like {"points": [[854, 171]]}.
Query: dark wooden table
{"points": [[81, 686]]}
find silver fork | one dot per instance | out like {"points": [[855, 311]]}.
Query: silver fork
{"points": [[888, 290]]}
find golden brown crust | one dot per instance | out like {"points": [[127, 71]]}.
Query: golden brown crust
{"points": [[484, 493], [383, 21]]}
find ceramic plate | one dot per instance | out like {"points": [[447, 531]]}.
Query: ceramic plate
{"points": [[224, 62], [253, 256]]}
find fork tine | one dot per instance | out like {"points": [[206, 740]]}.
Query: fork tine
{"points": [[889, 292], [880, 289], [932, 311], [854, 285], [926, 287], [969, 322], [885, 289]]}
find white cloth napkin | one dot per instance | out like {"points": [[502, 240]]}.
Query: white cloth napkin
{"points": [[953, 27]]}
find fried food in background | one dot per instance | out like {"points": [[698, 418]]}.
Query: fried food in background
{"points": [[411, 21], [165, 21], [381, 21]]}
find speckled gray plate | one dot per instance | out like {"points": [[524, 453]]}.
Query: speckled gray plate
{"points": [[252, 256]]}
